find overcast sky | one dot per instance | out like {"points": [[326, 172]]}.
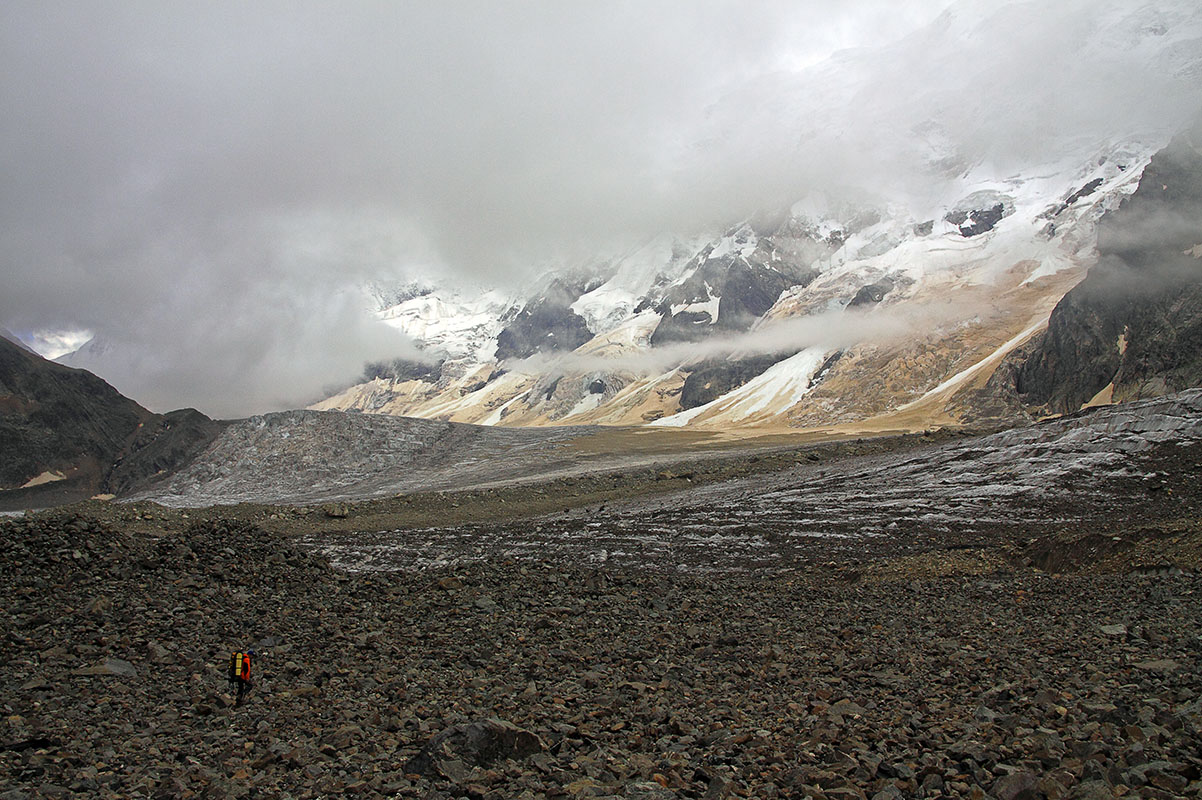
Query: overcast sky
{"points": [[205, 185]]}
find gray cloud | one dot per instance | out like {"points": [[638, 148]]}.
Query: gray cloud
{"points": [[831, 330], [196, 182]]}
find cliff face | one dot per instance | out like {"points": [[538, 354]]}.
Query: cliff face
{"points": [[1133, 327], [66, 434], [546, 325]]}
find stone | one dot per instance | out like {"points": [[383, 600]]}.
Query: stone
{"points": [[453, 770], [846, 708], [1160, 774], [477, 744], [933, 783], [114, 667], [336, 510], [1091, 790], [1016, 786], [648, 790], [719, 788]]}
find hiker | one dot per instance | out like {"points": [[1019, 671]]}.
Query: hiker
{"points": [[239, 675]]}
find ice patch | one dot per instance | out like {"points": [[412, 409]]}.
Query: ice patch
{"points": [[589, 402], [776, 390], [611, 304], [459, 328], [741, 243], [708, 306]]}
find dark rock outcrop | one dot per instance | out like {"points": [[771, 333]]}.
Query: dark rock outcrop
{"points": [[748, 292], [1136, 319], [872, 294], [977, 221], [980, 212], [745, 291], [1084, 191], [72, 423], [400, 369], [683, 326], [713, 379], [774, 253], [545, 325]]}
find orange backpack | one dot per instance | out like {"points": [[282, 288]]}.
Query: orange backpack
{"points": [[239, 667]]}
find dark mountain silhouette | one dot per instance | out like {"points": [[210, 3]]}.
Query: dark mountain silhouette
{"points": [[80, 437]]}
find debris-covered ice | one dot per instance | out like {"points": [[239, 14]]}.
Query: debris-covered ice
{"points": [[1090, 469]]}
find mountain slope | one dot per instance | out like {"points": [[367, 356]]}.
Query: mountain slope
{"points": [[830, 313], [1133, 327], [956, 202], [66, 434]]}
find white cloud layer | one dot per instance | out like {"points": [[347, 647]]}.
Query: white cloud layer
{"points": [[205, 185]]}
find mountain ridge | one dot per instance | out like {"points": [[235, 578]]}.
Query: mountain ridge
{"points": [[951, 291], [1133, 327], [67, 435]]}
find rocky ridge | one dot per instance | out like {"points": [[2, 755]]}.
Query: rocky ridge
{"points": [[66, 435], [1133, 327]]}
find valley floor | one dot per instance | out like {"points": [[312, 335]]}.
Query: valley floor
{"points": [[646, 684], [1010, 616]]}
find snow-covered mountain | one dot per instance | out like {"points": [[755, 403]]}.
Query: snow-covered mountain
{"points": [[825, 314], [886, 300]]}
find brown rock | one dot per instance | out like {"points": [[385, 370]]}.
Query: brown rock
{"points": [[476, 744], [1016, 786]]}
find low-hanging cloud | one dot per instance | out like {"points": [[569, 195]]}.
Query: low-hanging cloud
{"points": [[268, 349], [195, 182], [830, 330]]}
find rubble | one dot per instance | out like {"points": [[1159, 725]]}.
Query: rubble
{"points": [[577, 681]]}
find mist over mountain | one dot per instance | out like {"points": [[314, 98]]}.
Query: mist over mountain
{"points": [[902, 273], [1133, 327], [701, 399], [207, 191]]}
